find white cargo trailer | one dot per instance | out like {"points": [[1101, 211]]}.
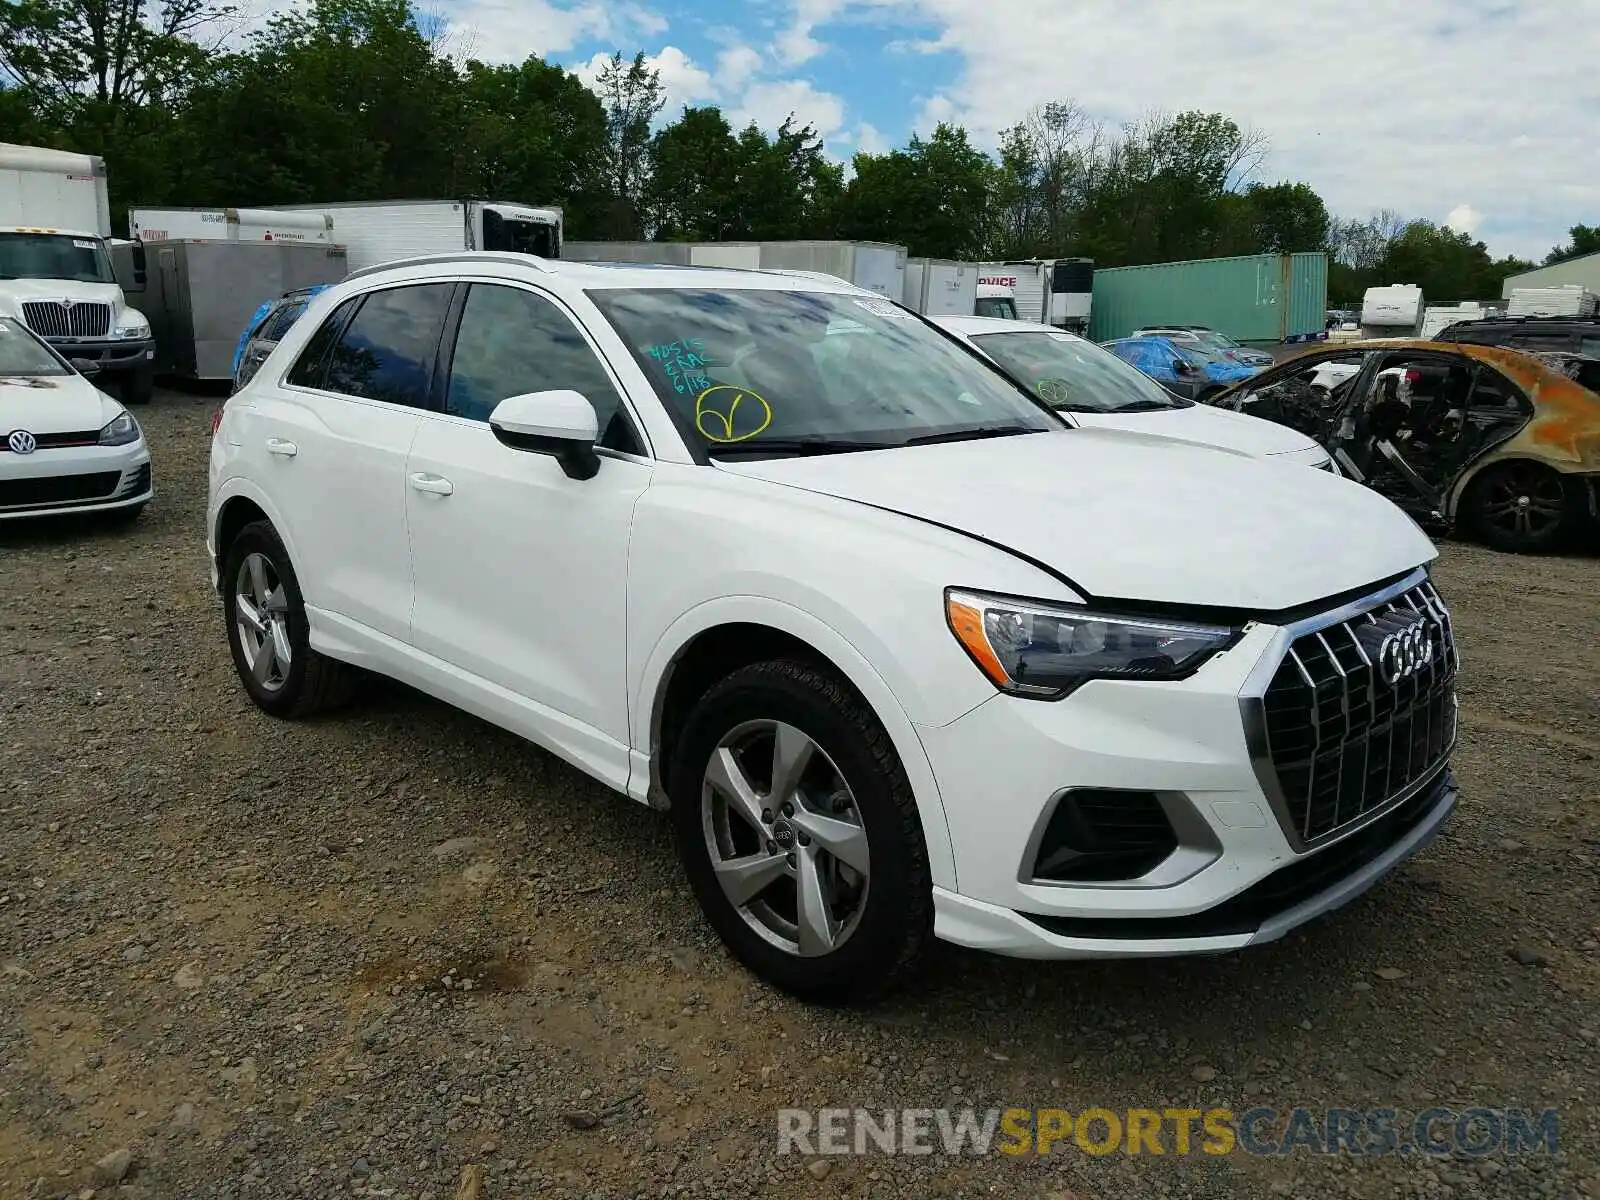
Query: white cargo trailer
{"points": [[877, 266], [229, 225], [1395, 310], [381, 231], [938, 287], [56, 274], [1567, 300], [1051, 291]]}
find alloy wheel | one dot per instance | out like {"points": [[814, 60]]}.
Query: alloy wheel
{"points": [[1523, 501], [785, 837], [261, 614]]}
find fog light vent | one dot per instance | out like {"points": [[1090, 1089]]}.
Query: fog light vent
{"points": [[1096, 836]]}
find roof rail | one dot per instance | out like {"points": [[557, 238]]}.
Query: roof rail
{"points": [[467, 256]]}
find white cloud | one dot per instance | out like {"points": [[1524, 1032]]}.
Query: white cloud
{"points": [[737, 65], [1463, 218], [795, 44], [500, 31], [769, 102], [1410, 106], [870, 141], [934, 110], [683, 81]]}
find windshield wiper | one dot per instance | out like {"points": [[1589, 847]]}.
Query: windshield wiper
{"points": [[969, 433], [799, 446], [1145, 406], [1069, 406]]}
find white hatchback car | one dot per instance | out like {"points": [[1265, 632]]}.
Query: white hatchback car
{"points": [[1090, 386], [65, 446], [904, 655]]}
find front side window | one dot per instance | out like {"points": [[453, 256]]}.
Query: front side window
{"points": [[755, 372], [54, 256], [512, 342], [21, 354], [387, 350], [1073, 375]]}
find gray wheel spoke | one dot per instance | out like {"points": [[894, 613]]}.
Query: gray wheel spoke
{"points": [[817, 929], [276, 601], [726, 776], [743, 879], [258, 578], [246, 609], [846, 842], [261, 661], [280, 645], [791, 754]]}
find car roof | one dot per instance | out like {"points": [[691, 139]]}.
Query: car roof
{"points": [[960, 323], [563, 274], [1522, 365]]}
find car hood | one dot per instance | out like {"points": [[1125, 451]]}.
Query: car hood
{"points": [[1205, 426], [53, 404], [14, 291], [1131, 516]]}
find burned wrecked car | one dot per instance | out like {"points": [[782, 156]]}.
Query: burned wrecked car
{"points": [[1501, 444]]}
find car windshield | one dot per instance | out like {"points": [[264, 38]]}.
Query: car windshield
{"points": [[1216, 341], [1070, 374], [752, 372], [21, 354], [54, 256]]}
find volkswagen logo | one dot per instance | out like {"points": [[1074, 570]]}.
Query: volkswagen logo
{"points": [[22, 442], [1399, 645]]}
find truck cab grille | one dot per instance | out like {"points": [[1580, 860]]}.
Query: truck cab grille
{"points": [[53, 319], [1353, 724]]}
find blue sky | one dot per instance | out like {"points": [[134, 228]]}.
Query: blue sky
{"points": [[1475, 112]]}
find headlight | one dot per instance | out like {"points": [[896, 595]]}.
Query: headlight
{"points": [[1043, 650], [120, 430], [132, 327]]}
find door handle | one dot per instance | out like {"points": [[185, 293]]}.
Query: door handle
{"points": [[282, 448], [433, 485]]}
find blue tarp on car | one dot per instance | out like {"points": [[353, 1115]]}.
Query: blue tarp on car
{"points": [[260, 315]]}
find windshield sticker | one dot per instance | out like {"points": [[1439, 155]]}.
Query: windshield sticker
{"points": [[720, 411], [882, 308], [84, 244], [685, 364], [1053, 391]]}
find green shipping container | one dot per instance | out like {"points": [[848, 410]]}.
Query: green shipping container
{"points": [[1261, 298]]}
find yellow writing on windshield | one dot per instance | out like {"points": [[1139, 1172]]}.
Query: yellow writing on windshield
{"points": [[1051, 391], [717, 413]]}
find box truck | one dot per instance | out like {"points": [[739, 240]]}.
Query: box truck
{"points": [[229, 225], [381, 231], [56, 275], [937, 287], [1051, 291]]}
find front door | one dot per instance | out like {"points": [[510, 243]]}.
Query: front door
{"points": [[520, 572]]}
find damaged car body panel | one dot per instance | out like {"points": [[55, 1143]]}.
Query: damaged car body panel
{"points": [[1500, 441]]}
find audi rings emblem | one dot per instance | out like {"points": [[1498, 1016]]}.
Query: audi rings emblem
{"points": [[1399, 646]]}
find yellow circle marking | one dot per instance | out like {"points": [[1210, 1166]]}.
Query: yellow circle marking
{"points": [[1052, 391], [721, 418]]}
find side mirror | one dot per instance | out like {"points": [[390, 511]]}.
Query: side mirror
{"points": [[86, 367], [559, 423], [1183, 366]]}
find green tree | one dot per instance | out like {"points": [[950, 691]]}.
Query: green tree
{"points": [[631, 95], [1585, 240], [784, 185], [1286, 218], [691, 194], [931, 197]]}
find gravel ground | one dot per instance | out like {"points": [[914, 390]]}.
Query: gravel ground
{"points": [[399, 953]]}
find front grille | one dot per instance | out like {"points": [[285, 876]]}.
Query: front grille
{"points": [[53, 319], [51, 490], [47, 441], [1342, 740]]}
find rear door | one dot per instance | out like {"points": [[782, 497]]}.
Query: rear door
{"points": [[333, 439]]}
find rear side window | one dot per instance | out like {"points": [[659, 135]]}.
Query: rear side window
{"points": [[1536, 342], [307, 370], [387, 350], [1589, 346], [280, 322]]}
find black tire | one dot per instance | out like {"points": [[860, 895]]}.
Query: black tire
{"points": [[313, 683], [1521, 507], [895, 922], [138, 387]]}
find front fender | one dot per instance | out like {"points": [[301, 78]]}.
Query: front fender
{"points": [[644, 714]]}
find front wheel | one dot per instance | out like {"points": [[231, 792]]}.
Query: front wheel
{"points": [[799, 833], [1520, 507]]}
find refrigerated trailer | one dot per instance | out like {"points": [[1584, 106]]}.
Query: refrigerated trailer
{"points": [[229, 225], [1051, 291], [381, 231]]}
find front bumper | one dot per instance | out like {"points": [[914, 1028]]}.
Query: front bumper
{"points": [[74, 479], [110, 355], [1241, 871]]}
